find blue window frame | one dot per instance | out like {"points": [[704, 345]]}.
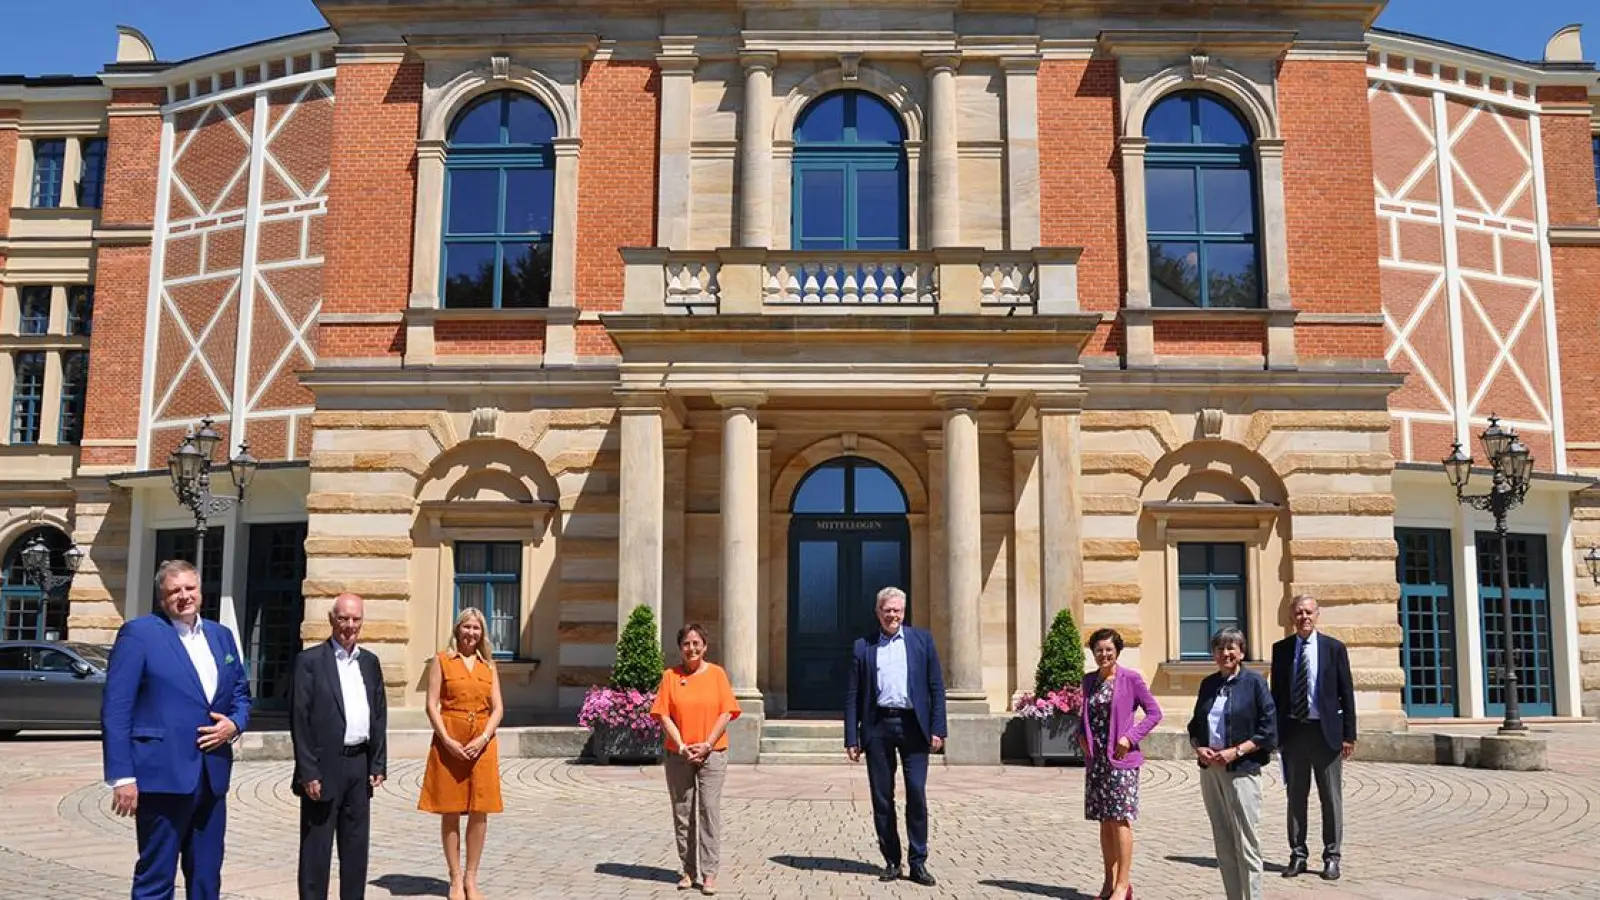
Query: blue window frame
{"points": [[1201, 204], [80, 309], [27, 397], [1530, 623], [849, 175], [499, 202], [489, 579], [92, 178], [1427, 621], [74, 387], [34, 301], [49, 164], [1211, 594]]}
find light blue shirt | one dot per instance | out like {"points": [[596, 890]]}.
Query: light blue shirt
{"points": [[893, 690], [1217, 716], [1310, 650]]}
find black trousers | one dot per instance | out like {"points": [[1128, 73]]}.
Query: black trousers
{"points": [[345, 811], [889, 737], [1307, 758]]}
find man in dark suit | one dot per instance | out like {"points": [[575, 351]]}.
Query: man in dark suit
{"points": [[338, 723], [1316, 700], [895, 705], [176, 697]]}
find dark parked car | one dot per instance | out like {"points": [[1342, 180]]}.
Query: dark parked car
{"points": [[49, 686]]}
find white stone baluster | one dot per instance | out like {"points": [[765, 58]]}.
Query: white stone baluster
{"points": [[830, 282]]}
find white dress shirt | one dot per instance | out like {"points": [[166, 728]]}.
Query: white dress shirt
{"points": [[205, 664], [1217, 716], [353, 688], [893, 689], [1310, 650]]}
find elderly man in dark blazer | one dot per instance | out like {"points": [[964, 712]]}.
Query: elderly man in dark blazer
{"points": [[1316, 700], [338, 724], [895, 705]]}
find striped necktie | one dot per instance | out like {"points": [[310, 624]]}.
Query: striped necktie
{"points": [[1301, 701]]}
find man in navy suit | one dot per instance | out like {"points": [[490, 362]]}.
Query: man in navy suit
{"points": [[176, 696], [1316, 699], [895, 705]]}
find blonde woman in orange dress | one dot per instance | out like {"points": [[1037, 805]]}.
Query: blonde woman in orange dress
{"points": [[463, 774]]}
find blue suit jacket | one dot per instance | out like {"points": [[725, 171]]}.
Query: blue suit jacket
{"points": [[924, 681], [154, 706]]}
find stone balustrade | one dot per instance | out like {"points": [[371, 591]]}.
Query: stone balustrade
{"points": [[758, 281]]}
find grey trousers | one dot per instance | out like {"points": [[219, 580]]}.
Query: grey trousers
{"points": [[1306, 757], [1233, 802], [696, 793]]}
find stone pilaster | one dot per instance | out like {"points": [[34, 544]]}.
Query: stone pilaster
{"points": [[1061, 498], [755, 151], [642, 512], [1027, 616], [677, 125], [944, 158], [964, 566]]}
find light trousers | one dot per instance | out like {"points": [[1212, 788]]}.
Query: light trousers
{"points": [[1233, 803], [696, 792]]}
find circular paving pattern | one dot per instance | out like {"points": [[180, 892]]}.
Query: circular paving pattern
{"points": [[588, 831]]}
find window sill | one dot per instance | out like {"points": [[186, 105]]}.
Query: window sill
{"points": [[555, 315], [1150, 314], [76, 213], [45, 341]]}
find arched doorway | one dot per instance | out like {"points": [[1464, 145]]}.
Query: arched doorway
{"points": [[26, 614], [848, 538]]}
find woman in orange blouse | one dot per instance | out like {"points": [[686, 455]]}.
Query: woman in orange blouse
{"points": [[695, 704], [463, 774]]}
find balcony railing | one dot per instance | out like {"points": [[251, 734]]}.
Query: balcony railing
{"points": [[756, 281]]}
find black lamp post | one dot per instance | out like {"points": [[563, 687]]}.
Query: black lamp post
{"points": [[1512, 467], [190, 468], [36, 568], [1592, 560]]}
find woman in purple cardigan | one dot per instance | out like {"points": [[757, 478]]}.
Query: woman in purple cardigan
{"points": [[1111, 743]]}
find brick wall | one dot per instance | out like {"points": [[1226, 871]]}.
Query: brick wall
{"points": [[1211, 339], [1330, 208], [122, 280], [371, 204], [1080, 181], [616, 185], [489, 338], [1568, 159], [8, 170]]}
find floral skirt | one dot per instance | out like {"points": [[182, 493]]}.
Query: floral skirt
{"points": [[1110, 794]]}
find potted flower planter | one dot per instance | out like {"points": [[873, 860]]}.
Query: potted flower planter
{"points": [[622, 743], [1053, 737]]}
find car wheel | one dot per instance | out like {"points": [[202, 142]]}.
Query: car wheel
{"points": [[6, 734]]}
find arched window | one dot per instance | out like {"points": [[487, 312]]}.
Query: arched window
{"points": [[1200, 204], [26, 614], [499, 204], [849, 485], [849, 190]]}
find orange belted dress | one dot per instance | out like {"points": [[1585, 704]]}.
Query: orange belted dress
{"points": [[451, 784]]}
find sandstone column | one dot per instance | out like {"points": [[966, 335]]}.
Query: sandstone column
{"points": [[1027, 622], [964, 551], [755, 151], [741, 590], [944, 159], [1062, 513], [641, 514]]}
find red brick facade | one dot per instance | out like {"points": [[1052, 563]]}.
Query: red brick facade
{"points": [[616, 183], [371, 205], [1080, 181]]}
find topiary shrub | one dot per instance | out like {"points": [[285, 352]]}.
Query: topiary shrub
{"points": [[639, 664], [1061, 657]]}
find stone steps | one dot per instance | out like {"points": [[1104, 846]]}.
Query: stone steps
{"points": [[802, 742]]}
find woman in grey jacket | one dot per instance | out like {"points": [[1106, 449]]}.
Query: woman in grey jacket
{"points": [[1233, 731]]}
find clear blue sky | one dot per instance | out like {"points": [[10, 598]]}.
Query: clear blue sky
{"points": [[78, 37]]}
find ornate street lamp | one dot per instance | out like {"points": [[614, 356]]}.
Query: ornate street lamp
{"points": [[190, 469], [1511, 464], [1592, 560], [36, 566]]}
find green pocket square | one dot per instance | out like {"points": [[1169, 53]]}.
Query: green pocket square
{"points": [[228, 660]]}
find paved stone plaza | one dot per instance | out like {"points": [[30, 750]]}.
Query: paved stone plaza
{"points": [[1415, 833]]}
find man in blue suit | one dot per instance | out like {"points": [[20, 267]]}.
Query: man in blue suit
{"points": [[895, 705], [176, 696]]}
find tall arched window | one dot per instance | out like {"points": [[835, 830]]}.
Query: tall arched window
{"points": [[26, 614], [499, 204], [849, 175], [1200, 203]]}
